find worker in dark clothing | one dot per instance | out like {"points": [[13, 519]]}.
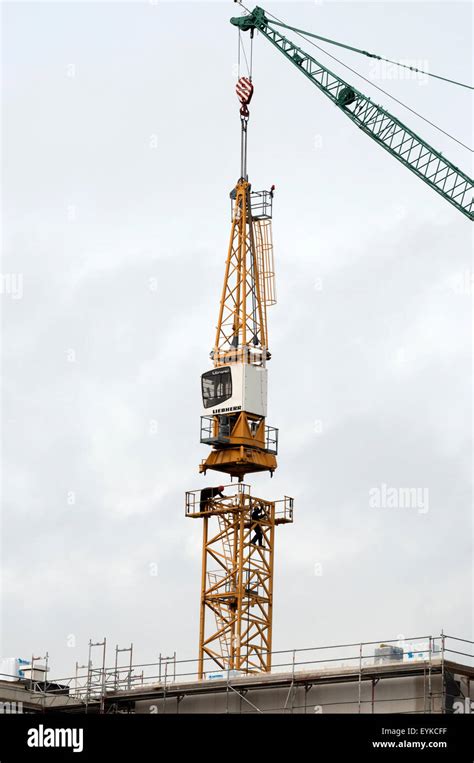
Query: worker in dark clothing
{"points": [[257, 513], [207, 494]]}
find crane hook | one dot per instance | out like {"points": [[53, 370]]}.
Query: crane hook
{"points": [[244, 90]]}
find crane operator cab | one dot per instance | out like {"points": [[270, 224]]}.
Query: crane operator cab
{"points": [[233, 388], [234, 399]]}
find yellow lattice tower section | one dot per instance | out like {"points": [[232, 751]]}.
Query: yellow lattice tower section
{"points": [[236, 390], [241, 325], [237, 579]]}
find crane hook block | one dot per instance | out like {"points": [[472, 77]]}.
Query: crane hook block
{"points": [[244, 90]]}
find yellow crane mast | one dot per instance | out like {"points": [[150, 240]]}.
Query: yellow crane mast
{"points": [[235, 391], [235, 632]]}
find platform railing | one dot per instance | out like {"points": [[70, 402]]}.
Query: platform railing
{"points": [[192, 502], [284, 509], [358, 661], [207, 436]]}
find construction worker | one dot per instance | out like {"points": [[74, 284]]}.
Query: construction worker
{"points": [[257, 513], [207, 494]]}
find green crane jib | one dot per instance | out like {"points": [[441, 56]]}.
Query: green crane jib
{"points": [[423, 160]]}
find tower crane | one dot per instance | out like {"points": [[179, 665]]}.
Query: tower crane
{"points": [[236, 603]]}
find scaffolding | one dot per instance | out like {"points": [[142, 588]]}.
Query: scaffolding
{"points": [[424, 675]]}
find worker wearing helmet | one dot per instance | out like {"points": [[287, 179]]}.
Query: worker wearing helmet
{"points": [[207, 494]]}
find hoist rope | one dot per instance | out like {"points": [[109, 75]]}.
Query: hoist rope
{"points": [[251, 55], [238, 55], [241, 46]]}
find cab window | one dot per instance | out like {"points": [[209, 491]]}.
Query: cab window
{"points": [[216, 387]]}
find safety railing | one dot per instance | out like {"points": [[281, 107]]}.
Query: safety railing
{"points": [[207, 436], [271, 439], [220, 435], [357, 662], [284, 510], [194, 501], [261, 204]]}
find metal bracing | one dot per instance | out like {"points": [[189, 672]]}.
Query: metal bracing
{"points": [[93, 687], [120, 679], [237, 580], [167, 668], [241, 327], [218, 581], [40, 686], [96, 677]]}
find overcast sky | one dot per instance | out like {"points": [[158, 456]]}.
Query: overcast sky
{"points": [[120, 146]]}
